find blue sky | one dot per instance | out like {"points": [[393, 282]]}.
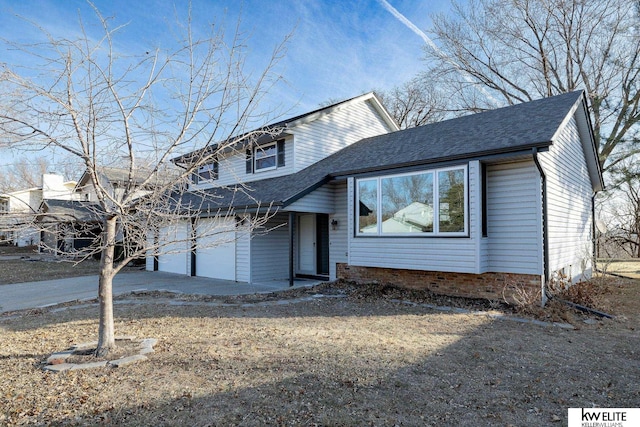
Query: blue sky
{"points": [[339, 49]]}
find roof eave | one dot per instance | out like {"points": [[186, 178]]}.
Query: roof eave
{"points": [[241, 140], [306, 191], [483, 155]]}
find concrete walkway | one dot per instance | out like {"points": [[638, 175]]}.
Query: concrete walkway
{"points": [[50, 292]]}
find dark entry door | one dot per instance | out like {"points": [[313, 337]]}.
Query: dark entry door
{"points": [[322, 239]]}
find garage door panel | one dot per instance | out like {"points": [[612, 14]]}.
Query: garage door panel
{"points": [[216, 248], [174, 253]]}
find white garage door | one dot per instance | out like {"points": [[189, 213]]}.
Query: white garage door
{"points": [[216, 248], [174, 254]]}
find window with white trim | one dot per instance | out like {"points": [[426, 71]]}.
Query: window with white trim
{"points": [[206, 173], [265, 157], [427, 203]]}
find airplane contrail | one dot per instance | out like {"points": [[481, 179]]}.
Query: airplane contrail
{"points": [[410, 25]]}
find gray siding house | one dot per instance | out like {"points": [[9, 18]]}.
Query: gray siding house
{"points": [[482, 205]]}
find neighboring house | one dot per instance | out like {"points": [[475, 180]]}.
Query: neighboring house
{"points": [[17, 209], [482, 206], [414, 217], [113, 180], [67, 225], [74, 224]]}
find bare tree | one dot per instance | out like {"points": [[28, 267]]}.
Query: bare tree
{"points": [[23, 173], [495, 52], [415, 103], [621, 207], [26, 172], [137, 110]]}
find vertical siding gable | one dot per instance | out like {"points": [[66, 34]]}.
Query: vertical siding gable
{"points": [[320, 200]]}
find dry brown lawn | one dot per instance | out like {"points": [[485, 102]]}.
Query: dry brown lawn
{"points": [[19, 271], [18, 265], [628, 268], [362, 359]]}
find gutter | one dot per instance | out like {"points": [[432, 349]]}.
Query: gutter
{"points": [[456, 159], [594, 236], [545, 225]]}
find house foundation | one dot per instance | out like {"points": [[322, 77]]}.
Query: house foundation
{"points": [[493, 286]]}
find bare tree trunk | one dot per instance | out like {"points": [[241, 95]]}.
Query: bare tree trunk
{"points": [[106, 329]]}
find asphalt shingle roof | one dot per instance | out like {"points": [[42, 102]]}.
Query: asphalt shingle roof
{"points": [[505, 130], [69, 210]]}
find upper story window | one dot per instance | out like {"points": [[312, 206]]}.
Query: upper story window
{"points": [[266, 157], [4, 205], [425, 203], [206, 173]]}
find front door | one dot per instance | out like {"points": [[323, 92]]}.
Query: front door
{"points": [[313, 244], [307, 244]]}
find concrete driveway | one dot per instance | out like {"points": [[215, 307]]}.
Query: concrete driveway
{"points": [[50, 292]]}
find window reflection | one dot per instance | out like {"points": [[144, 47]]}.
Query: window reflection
{"points": [[368, 206], [407, 204], [266, 156], [451, 201]]}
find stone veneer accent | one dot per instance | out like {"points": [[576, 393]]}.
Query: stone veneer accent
{"points": [[492, 286]]}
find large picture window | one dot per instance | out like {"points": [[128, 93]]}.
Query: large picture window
{"points": [[423, 203]]}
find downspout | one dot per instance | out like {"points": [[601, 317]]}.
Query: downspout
{"points": [[291, 237], [545, 226], [594, 236], [193, 246], [156, 243]]}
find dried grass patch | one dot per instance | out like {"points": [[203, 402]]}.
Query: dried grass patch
{"points": [[25, 264], [360, 359], [627, 268], [33, 270]]}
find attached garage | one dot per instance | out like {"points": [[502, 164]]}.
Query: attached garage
{"points": [[216, 248], [174, 255]]}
